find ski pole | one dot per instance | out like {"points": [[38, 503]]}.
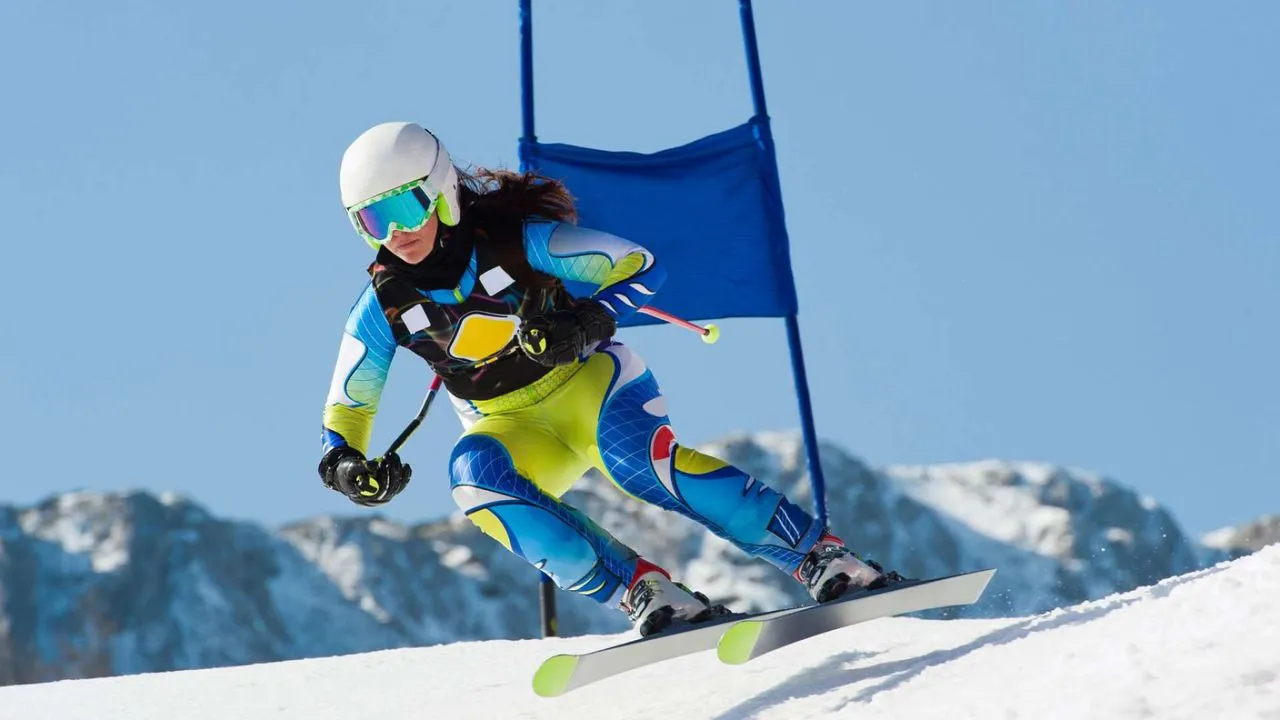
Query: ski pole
{"points": [[710, 333], [414, 423]]}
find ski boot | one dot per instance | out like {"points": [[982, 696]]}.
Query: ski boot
{"points": [[654, 603], [830, 570]]}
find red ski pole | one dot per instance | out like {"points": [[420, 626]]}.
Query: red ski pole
{"points": [[710, 333]]}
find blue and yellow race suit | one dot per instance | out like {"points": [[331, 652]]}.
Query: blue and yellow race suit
{"points": [[529, 432]]}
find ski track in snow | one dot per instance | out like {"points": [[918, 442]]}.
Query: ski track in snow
{"points": [[1203, 645]]}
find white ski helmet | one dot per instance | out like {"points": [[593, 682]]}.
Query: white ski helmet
{"points": [[392, 154]]}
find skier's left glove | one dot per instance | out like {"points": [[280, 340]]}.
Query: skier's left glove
{"points": [[560, 337], [364, 482]]}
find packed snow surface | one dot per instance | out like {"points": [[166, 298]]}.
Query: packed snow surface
{"points": [[1202, 645]]}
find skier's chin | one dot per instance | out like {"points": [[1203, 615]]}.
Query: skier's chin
{"points": [[412, 250], [412, 255]]}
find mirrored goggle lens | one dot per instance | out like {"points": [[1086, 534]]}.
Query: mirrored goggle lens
{"points": [[409, 210]]}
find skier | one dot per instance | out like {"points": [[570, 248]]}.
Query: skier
{"points": [[490, 280]]}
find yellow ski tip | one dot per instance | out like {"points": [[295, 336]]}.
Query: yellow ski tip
{"points": [[738, 641], [553, 676]]}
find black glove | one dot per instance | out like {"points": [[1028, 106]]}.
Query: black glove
{"points": [[560, 337], [365, 482]]}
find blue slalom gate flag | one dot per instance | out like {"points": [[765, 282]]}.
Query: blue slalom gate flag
{"points": [[710, 211]]}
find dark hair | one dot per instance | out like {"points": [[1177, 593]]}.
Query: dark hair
{"points": [[517, 194], [496, 202]]}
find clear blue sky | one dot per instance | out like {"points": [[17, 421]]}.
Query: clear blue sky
{"points": [[1032, 231]]}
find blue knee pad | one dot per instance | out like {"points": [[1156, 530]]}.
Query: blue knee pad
{"points": [[554, 537], [642, 457]]}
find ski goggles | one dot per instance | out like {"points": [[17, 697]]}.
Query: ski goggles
{"points": [[407, 208]]}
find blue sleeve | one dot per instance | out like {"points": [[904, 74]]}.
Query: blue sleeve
{"points": [[364, 359], [615, 272]]}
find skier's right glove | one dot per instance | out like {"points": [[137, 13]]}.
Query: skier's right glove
{"points": [[560, 337], [363, 481]]}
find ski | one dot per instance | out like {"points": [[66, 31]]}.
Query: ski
{"points": [[752, 637], [562, 673], [742, 636]]}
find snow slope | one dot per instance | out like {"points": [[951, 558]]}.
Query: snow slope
{"points": [[1201, 645]]}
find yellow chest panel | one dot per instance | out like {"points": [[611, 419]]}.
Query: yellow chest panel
{"points": [[480, 335]]}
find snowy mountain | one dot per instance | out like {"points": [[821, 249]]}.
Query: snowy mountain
{"points": [[1201, 646], [95, 585], [1245, 539], [1059, 536], [105, 584]]}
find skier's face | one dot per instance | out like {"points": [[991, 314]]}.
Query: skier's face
{"points": [[412, 247]]}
